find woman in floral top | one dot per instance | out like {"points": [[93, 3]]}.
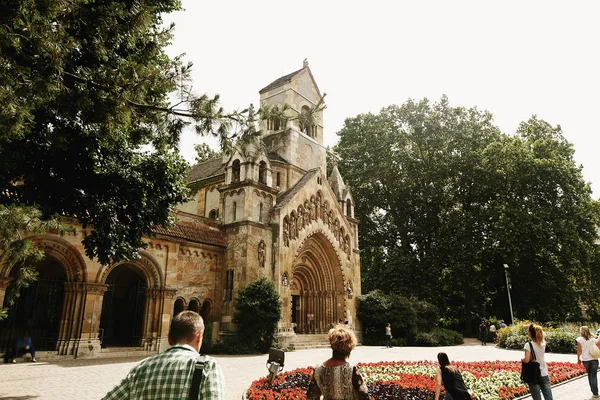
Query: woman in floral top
{"points": [[336, 378]]}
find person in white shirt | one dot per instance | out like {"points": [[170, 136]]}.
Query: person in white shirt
{"points": [[584, 342], [536, 334]]}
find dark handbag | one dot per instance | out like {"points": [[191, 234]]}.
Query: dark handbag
{"points": [[530, 372]]}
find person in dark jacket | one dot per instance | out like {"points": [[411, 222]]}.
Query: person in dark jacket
{"points": [[450, 377]]}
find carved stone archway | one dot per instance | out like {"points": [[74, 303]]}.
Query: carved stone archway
{"points": [[317, 287]]}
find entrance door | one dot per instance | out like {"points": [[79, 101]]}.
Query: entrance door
{"points": [[38, 309], [123, 308]]}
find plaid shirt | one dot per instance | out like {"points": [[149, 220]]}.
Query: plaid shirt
{"points": [[168, 375]]}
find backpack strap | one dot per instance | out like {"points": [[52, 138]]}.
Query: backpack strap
{"points": [[197, 379]]}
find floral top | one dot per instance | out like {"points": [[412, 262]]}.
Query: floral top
{"points": [[337, 383]]}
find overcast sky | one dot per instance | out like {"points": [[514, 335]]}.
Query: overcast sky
{"points": [[512, 58]]}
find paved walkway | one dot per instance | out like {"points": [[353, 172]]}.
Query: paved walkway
{"points": [[91, 379]]}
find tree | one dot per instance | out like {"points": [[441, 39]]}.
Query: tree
{"points": [[16, 223], [446, 199], [257, 311], [205, 153]]}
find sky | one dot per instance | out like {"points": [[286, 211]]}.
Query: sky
{"points": [[512, 58]]}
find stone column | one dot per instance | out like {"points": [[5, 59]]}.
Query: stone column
{"points": [[167, 296], [88, 343], [4, 281], [71, 318]]}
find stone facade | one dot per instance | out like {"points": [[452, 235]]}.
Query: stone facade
{"points": [[267, 210]]}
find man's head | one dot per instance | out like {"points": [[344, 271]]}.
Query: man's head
{"points": [[187, 328]]}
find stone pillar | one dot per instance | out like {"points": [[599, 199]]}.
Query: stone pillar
{"points": [[4, 281], [167, 296], [71, 318], [88, 343]]}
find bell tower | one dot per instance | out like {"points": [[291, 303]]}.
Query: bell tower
{"points": [[300, 141]]}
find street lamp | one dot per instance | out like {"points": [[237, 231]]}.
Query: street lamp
{"points": [[275, 362], [508, 287]]}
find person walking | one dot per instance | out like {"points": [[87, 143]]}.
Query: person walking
{"points": [[169, 375], [493, 332], [450, 377], [584, 342], [388, 335], [482, 333], [538, 343], [336, 378]]}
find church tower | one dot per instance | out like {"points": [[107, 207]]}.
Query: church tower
{"points": [[300, 145]]}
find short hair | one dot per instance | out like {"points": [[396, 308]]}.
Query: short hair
{"points": [[342, 340], [185, 326]]}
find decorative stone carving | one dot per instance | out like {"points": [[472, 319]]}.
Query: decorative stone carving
{"points": [[284, 279], [261, 253], [300, 222], [286, 237]]}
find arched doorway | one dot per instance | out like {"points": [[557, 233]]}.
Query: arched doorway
{"points": [[194, 306], [205, 311], [121, 323], [317, 287], [38, 309], [178, 307]]}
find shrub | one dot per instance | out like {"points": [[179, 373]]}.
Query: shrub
{"points": [[561, 342], [438, 337], [377, 308], [258, 310]]}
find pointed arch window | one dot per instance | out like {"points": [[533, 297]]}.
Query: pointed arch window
{"points": [[262, 172], [234, 210], [348, 208], [279, 179], [214, 214], [235, 171], [260, 212]]}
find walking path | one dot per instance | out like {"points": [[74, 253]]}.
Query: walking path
{"points": [[91, 379]]}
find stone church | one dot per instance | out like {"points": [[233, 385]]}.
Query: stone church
{"points": [[267, 210]]}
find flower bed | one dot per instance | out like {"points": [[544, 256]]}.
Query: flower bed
{"points": [[487, 380]]}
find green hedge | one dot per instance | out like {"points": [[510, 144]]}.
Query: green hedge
{"points": [[558, 340], [438, 337]]}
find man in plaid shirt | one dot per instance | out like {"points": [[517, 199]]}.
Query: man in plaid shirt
{"points": [[168, 375]]}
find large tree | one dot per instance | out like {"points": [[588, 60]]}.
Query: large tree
{"points": [[445, 199]]}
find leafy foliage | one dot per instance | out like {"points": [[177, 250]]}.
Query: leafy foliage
{"points": [[257, 311], [205, 153], [445, 199], [405, 316], [17, 225], [438, 337]]}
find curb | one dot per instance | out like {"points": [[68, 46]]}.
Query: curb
{"points": [[528, 395]]}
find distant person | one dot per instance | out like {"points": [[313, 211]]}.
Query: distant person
{"points": [[502, 325], [23, 346], [336, 378], [538, 342], [483, 333], [584, 342], [388, 335], [450, 377], [168, 375], [493, 332]]}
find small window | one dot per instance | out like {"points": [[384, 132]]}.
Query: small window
{"points": [[348, 208], [260, 212], [235, 171], [234, 210], [213, 214], [279, 179], [262, 173]]}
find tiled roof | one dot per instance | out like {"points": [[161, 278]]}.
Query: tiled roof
{"points": [[280, 81], [287, 196], [276, 157], [206, 169], [194, 233]]}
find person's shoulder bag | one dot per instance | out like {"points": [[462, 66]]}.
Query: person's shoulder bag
{"points": [[594, 350], [530, 372], [197, 379]]}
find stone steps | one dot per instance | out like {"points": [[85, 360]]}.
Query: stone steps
{"points": [[311, 341]]}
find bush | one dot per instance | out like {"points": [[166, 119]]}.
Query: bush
{"points": [[438, 337], [561, 342], [258, 309], [376, 309]]}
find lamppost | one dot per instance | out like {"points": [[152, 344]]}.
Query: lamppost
{"points": [[508, 287]]}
